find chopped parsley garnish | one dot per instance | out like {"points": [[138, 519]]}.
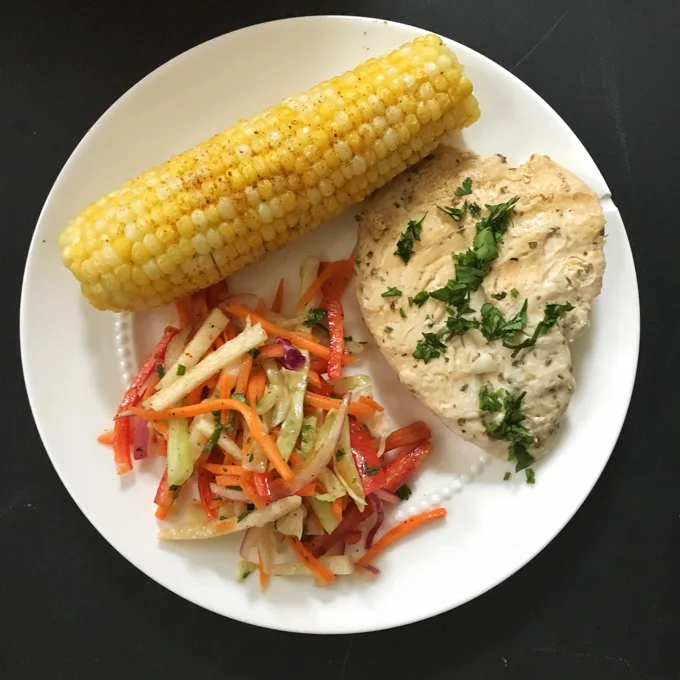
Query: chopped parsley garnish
{"points": [[474, 209], [314, 318], [254, 352], [239, 397], [419, 299], [371, 470], [514, 292], [160, 370], [550, 316], [404, 492], [249, 508], [507, 476], [430, 347], [530, 475], [214, 438], [499, 296], [489, 400], [407, 239], [495, 327], [510, 427], [339, 454], [392, 292], [465, 189], [455, 213], [181, 369], [175, 487], [402, 312], [458, 325]]}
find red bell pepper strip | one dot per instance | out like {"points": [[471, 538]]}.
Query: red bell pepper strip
{"points": [[121, 445], [412, 434], [133, 393], [205, 493], [365, 457], [261, 483], [165, 496], [401, 469]]}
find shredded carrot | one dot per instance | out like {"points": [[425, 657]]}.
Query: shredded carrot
{"points": [[365, 399], [194, 397], [218, 342], [318, 365], [229, 480], [218, 469], [162, 446], [261, 306], [151, 388], [406, 527], [307, 490], [264, 578], [356, 408], [184, 311], [256, 386], [254, 424], [277, 302], [244, 374], [331, 270], [226, 385], [295, 460], [229, 332], [249, 490], [317, 568], [161, 428], [106, 438], [415, 433], [161, 512], [301, 340], [272, 351], [336, 508], [200, 305]]}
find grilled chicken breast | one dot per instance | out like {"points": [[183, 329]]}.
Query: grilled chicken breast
{"points": [[552, 252]]}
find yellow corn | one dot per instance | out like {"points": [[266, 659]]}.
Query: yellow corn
{"points": [[205, 213]]}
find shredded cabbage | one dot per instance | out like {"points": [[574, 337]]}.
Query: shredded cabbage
{"points": [[350, 382], [346, 470], [325, 514], [307, 435], [292, 523], [334, 487], [292, 424]]}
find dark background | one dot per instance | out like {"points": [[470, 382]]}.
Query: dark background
{"points": [[602, 601]]}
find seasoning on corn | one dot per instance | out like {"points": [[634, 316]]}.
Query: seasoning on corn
{"points": [[208, 212]]}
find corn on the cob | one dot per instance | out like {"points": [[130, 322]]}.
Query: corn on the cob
{"points": [[207, 212]]}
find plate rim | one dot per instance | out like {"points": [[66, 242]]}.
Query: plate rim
{"points": [[438, 609]]}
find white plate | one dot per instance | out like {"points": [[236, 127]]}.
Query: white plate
{"points": [[74, 357]]}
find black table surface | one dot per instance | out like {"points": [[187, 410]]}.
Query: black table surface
{"points": [[602, 601]]}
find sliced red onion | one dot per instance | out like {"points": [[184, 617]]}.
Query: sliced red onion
{"points": [[292, 359], [379, 517], [387, 496], [374, 570], [248, 544], [140, 446]]}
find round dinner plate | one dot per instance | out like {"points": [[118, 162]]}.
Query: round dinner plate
{"points": [[75, 381]]}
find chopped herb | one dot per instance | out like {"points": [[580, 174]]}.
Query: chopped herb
{"points": [[388, 329], [456, 213], [254, 352], [457, 324], [181, 369], [239, 397], [214, 438], [474, 209], [514, 292], [550, 316], [530, 475], [489, 400], [465, 189], [339, 454], [499, 296], [217, 414], [495, 327], [402, 312], [160, 370], [404, 492], [510, 427], [314, 319], [371, 470], [249, 508], [234, 488], [392, 292], [222, 518], [406, 240], [250, 457], [506, 476], [175, 487], [430, 347], [420, 298], [396, 205]]}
